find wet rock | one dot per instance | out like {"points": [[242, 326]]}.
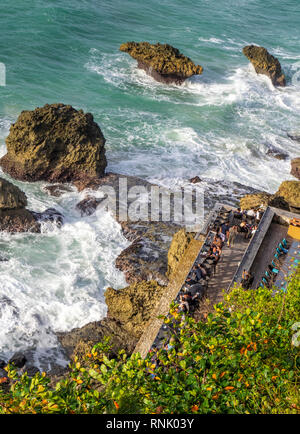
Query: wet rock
{"points": [[18, 360], [162, 61], [195, 180], [295, 167], [57, 190], [14, 217], [265, 63], [11, 197], [294, 136], [275, 153], [88, 205], [55, 143], [49, 215]]}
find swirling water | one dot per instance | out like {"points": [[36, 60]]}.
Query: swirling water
{"points": [[218, 125]]}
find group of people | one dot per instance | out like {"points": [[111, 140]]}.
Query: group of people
{"points": [[249, 221]]}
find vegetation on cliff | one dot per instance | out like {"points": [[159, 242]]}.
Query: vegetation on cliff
{"points": [[244, 359]]}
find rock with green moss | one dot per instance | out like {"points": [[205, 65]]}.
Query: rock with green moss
{"points": [[162, 61], [133, 306], [177, 249], [290, 192], [265, 63], [55, 143], [287, 197], [14, 217], [295, 167]]}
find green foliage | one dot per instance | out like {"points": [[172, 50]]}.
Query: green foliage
{"points": [[242, 360]]}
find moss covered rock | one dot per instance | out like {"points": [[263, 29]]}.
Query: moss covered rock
{"points": [[287, 197], [295, 167], [55, 143], [290, 192], [133, 305], [265, 63], [11, 197], [14, 217], [177, 249], [162, 61]]}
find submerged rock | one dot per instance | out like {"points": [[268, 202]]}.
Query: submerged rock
{"points": [[14, 217], [55, 143], [294, 136], [276, 153], [162, 61], [50, 215], [265, 63]]}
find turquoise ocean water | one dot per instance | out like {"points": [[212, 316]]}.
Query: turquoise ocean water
{"points": [[218, 125]]}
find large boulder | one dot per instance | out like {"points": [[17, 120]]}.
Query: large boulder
{"points": [[55, 143], [133, 306], [14, 217], [290, 192], [295, 167], [162, 61], [265, 63]]}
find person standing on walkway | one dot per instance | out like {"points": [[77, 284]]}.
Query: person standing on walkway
{"points": [[232, 235]]}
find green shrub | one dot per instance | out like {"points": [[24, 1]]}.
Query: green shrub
{"points": [[244, 359]]}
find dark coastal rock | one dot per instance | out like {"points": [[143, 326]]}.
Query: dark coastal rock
{"points": [[49, 215], [11, 197], [18, 360], [294, 136], [57, 190], [14, 217], [276, 153], [195, 180], [162, 61], [295, 167], [265, 63], [55, 143], [88, 205]]}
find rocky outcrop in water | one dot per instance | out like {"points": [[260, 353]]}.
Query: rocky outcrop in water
{"points": [[295, 167], [14, 217], [55, 143], [129, 309], [265, 63], [162, 61]]}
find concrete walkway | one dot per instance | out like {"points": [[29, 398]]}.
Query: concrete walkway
{"points": [[226, 269], [162, 308]]}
